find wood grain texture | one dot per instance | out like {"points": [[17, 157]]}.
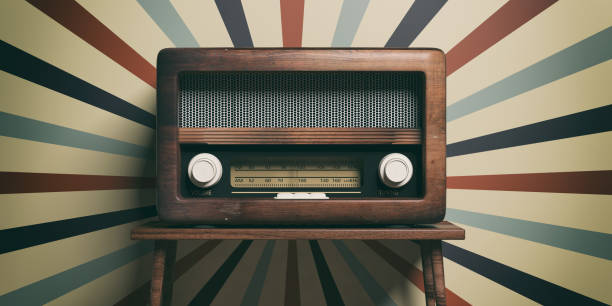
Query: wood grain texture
{"points": [[438, 271], [241, 211], [428, 278], [164, 256], [164, 231], [299, 136]]}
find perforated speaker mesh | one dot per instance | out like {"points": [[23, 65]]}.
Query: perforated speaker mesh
{"points": [[300, 99]]}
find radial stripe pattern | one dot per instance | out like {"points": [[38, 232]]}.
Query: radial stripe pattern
{"points": [[527, 80]]}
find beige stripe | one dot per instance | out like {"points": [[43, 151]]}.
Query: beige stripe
{"points": [[479, 290], [22, 98], [204, 21], [116, 285], [551, 31], [470, 286], [273, 292], [311, 292], [582, 91], [264, 20], [320, 19], [235, 286], [583, 153], [120, 282], [379, 21], [48, 40], [350, 289], [30, 156], [574, 271], [454, 21], [38, 262], [584, 211], [132, 24], [411, 252], [23, 209], [400, 289], [187, 286]]}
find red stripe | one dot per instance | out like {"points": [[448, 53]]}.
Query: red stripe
{"points": [[409, 271], [504, 21], [22, 182], [588, 182], [80, 22], [292, 20]]}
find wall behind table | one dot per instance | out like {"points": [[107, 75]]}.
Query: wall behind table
{"points": [[529, 146]]}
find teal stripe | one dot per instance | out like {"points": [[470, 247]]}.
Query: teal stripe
{"points": [[584, 54], [374, 290], [253, 292], [30, 129], [350, 17], [169, 21], [582, 241], [50, 288]]}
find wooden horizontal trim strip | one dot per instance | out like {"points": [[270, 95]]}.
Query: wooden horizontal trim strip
{"points": [[298, 135], [163, 231], [23, 182], [588, 182]]}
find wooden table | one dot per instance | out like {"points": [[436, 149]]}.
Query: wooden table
{"points": [[429, 237]]}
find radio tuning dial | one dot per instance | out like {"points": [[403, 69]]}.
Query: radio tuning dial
{"points": [[204, 170], [395, 170]]}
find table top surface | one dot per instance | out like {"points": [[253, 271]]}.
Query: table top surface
{"points": [[163, 231]]}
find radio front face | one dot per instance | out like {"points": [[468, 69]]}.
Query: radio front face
{"points": [[301, 136], [353, 171]]}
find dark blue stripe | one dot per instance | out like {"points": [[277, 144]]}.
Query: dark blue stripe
{"points": [[592, 121], [418, 16], [26, 236], [28, 67], [534, 288], [52, 287], [210, 290], [235, 21], [330, 290]]}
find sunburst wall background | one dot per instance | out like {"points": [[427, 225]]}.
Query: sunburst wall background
{"points": [[529, 152]]}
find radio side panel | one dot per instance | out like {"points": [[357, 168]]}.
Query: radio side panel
{"points": [[172, 207]]}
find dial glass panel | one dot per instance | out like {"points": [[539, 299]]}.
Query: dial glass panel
{"points": [[296, 173]]}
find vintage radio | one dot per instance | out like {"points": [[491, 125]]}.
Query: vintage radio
{"points": [[301, 136]]}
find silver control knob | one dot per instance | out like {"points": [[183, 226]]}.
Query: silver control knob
{"points": [[395, 170], [204, 170]]}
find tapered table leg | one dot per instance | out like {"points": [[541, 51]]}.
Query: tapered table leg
{"points": [[164, 256], [438, 272], [428, 277]]}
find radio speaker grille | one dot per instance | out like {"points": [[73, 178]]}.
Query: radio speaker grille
{"points": [[300, 99]]}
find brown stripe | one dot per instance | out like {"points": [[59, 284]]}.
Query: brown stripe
{"points": [[22, 182], [292, 282], [504, 21], [589, 182], [292, 20], [409, 271], [140, 296], [80, 22]]}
